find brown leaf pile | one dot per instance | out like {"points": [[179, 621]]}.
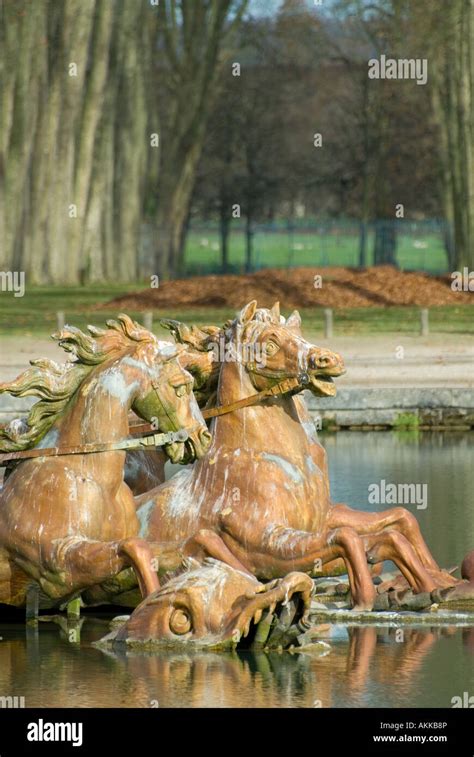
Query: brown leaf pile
{"points": [[341, 288]]}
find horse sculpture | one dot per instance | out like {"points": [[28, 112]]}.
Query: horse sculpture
{"points": [[69, 521], [259, 501]]}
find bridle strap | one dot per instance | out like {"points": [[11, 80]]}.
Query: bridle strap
{"points": [[283, 387], [171, 420], [152, 441], [155, 439]]}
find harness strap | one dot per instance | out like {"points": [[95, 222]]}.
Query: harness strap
{"points": [[154, 440], [274, 391], [287, 385]]}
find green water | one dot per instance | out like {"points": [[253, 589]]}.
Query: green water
{"points": [[442, 461], [365, 667]]}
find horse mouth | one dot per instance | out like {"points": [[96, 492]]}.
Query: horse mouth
{"points": [[192, 449], [322, 386], [180, 453], [274, 627]]}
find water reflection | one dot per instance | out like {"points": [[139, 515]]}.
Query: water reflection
{"points": [[443, 461], [367, 666]]}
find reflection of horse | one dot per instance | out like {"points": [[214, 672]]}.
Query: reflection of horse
{"points": [[260, 498], [372, 669], [70, 521]]}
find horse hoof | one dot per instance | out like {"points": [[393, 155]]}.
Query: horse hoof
{"points": [[467, 567], [464, 590]]}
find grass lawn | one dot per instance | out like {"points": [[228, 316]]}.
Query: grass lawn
{"points": [[279, 249], [35, 314]]}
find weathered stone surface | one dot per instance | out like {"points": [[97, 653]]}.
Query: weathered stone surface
{"points": [[382, 406], [381, 602], [439, 617]]}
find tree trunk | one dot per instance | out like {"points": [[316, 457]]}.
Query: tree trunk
{"points": [[75, 125], [193, 34], [362, 244], [248, 244], [385, 244], [224, 227], [453, 105]]}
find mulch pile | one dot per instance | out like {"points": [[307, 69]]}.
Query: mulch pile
{"points": [[341, 288]]}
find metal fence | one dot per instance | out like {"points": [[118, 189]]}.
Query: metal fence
{"points": [[417, 245]]}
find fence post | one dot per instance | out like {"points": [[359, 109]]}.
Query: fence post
{"points": [[328, 323], [60, 320], [425, 322], [148, 320]]}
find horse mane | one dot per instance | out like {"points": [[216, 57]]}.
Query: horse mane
{"points": [[56, 383]]}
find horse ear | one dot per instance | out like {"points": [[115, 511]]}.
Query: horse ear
{"points": [[178, 330], [187, 335], [247, 313], [275, 311], [293, 322]]}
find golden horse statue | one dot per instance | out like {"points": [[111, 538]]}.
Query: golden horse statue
{"points": [[69, 521], [259, 500]]}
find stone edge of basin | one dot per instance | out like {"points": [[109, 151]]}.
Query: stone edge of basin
{"points": [[395, 407], [359, 408]]}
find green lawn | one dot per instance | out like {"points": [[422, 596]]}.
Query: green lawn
{"points": [[35, 314], [279, 249]]}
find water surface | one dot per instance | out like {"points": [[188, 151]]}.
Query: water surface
{"points": [[366, 667]]}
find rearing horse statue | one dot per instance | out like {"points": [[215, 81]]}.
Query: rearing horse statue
{"points": [[69, 521], [260, 499]]}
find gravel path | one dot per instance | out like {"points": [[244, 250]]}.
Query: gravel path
{"points": [[387, 360]]}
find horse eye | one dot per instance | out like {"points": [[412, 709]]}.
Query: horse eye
{"points": [[270, 348], [180, 622], [181, 390]]}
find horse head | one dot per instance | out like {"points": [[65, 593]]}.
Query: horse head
{"points": [[164, 396], [273, 349], [270, 347], [112, 371]]}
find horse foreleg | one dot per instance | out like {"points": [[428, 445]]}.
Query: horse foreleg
{"points": [[206, 543], [392, 545], [351, 549], [81, 563], [140, 557], [281, 549], [396, 518]]}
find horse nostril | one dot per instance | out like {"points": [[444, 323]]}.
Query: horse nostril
{"points": [[321, 361], [205, 437]]}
